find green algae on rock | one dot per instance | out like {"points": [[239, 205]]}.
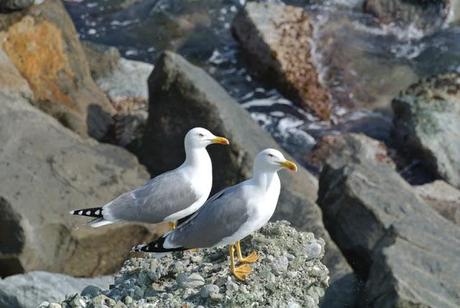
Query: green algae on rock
{"points": [[288, 274]]}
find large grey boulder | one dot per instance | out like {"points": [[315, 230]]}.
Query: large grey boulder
{"points": [[427, 123], [47, 170], [289, 274], [31, 289], [276, 40], [183, 96], [405, 250], [444, 199]]}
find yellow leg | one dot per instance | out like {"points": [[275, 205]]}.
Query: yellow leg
{"points": [[240, 272], [252, 258], [172, 225]]}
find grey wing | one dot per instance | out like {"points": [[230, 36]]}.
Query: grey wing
{"points": [[220, 217], [162, 196]]}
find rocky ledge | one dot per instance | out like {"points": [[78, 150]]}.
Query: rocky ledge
{"points": [[289, 273]]}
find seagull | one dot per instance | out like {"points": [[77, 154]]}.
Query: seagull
{"points": [[170, 196], [231, 215]]}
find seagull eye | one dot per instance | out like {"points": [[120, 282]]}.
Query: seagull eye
{"points": [[271, 155], [201, 135]]}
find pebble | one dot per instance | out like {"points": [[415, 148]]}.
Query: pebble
{"points": [[208, 290], [194, 280]]}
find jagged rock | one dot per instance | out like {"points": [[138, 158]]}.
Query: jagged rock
{"points": [[276, 40], [427, 122], [152, 280], [444, 198], [125, 83], [429, 15], [31, 289], [46, 171], [176, 88], [14, 5], [404, 249], [43, 45]]}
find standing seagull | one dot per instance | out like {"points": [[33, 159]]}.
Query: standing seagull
{"points": [[231, 215], [170, 196]]}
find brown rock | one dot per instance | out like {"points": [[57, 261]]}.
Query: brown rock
{"points": [[276, 41], [443, 198], [44, 47]]}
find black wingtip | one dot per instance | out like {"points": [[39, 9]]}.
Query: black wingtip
{"points": [[91, 212], [155, 246]]}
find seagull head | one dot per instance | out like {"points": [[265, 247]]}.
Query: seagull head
{"points": [[272, 160], [199, 137]]}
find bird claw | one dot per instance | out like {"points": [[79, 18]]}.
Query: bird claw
{"points": [[242, 272], [251, 258]]}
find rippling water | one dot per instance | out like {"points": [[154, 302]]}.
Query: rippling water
{"points": [[363, 63]]}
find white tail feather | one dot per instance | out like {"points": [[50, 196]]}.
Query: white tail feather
{"points": [[99, 223]]}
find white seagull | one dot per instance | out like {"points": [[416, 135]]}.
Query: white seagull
{"points": [[168, 197], [231, 215]]}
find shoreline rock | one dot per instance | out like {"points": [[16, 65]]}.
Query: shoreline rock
{"points": [[276, 40], [288, 274]]}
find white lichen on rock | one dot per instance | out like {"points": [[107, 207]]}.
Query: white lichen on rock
{"points": [[289, 273]]}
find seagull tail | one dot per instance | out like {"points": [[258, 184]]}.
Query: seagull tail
{"points": [[156, 246], [99, 222], [91, 212]]}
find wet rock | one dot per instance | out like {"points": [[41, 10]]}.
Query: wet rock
{"points": [[427, 122], [177, 87], [31, 289], [389, 235], [125, 83], [428, 16], [303, 283], [14, 5], [48, 170], [43, 45], [275, 39], [443, 198]]}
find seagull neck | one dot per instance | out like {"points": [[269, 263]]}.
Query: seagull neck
{"points": [[263, 178], [196, 157]]}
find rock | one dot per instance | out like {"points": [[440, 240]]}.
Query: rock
{"points": [[275, 39], [427, 16], [43, 45], [31, 289], [443, 198], [404, 249], [125, 83], [14, 5], [47, 170], [11, 81], [193, 280], [353, 147], [303, 283], [427, 122]]}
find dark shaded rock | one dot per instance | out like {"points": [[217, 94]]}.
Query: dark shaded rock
{"points": [[427, 122], [14, 5], [43, 45], [443, 198], [47, 170], [404, 249], [426, 15], [276, 41], [183, 96], [31, 289]]}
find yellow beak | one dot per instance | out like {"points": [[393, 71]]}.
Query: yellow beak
{"points": [[289, 165], [220, 140]]}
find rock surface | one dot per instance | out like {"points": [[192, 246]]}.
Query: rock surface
{"points": [[276, 40], [31, 289], [404, 249], [178, 88], [427, 123], [43, 45], [443, 198], [428, 16], [125, 83], [46, 171], [202, 278], [11, 81], [14, 5]]}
